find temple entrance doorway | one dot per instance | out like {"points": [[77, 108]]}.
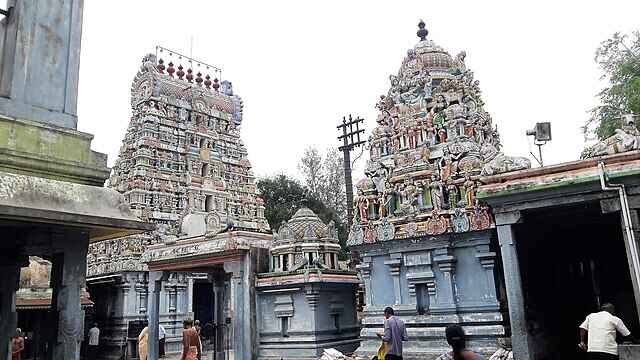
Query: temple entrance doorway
{"points": [[211, 308], [203, 311], [572, 259]]}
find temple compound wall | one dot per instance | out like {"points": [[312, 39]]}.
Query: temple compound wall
{"points": [[183, 167], [427, 246]]}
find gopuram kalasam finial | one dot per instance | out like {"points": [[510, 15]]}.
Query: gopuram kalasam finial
{"points": [[422, 32]]}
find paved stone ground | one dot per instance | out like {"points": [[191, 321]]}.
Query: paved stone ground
{"points": [[206, 356]]}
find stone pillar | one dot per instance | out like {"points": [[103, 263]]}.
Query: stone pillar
{"points": [[183, 298], [172, 289], [143, 291], [153, 311], [365, 271], [395, 264], [47, 88], [238, 320], [446, 293], [190, 297], [217, 280], [613, 205], [513, 282], [635, 228], [122, 286], [487, 261], [68, 271], [9, 283]]}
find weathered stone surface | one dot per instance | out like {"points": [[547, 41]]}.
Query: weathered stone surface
{"points": [[28, 192], [41, 60], [32, 148]]}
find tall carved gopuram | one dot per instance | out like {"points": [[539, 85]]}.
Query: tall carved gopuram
{"points": [[427, 246], [182, 166]]}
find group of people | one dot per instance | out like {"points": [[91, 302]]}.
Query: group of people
{"points": [[191, 344], [597, 337]]}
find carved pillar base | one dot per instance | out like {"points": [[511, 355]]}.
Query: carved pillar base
{"points": [[68, 273]]}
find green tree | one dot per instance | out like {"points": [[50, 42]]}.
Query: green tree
{"points": [[323, 175], [283, 196], [333, 192], [311, 168], [619, 59]]}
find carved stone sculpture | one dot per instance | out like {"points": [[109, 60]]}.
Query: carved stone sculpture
{"points": [[625, 139]]}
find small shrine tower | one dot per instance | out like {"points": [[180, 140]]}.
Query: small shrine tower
{"points": [[306, 302]]}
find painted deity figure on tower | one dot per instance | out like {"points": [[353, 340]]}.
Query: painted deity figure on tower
{"points": [[436, 192]]}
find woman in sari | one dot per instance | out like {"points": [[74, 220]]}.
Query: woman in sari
{"points": [[143, 346], [190, 342]]}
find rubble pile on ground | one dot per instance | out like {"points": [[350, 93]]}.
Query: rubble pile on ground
{"points": [[333, 354]]}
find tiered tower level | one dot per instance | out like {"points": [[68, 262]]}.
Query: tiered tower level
{"points": [[433, 141], [182, 164]]}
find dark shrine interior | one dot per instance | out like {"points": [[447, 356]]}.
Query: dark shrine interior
{"points": [[572, 260], [203, 302]]}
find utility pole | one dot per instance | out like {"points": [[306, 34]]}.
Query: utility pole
{"points": [[350, 140]]}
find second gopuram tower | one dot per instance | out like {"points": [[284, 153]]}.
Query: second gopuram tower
{"points": [[427, 245], [182, 166]]}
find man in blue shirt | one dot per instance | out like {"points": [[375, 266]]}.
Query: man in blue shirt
{"points": [[394, 334]]}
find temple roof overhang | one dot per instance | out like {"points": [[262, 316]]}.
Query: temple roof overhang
{"points": [[27, 201], [572, 182], [199, 253]]}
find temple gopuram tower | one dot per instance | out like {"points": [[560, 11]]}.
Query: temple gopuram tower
{"points": [[182, 166], [427, 245]]}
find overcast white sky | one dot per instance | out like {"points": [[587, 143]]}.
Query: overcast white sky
{"points": [[301, 65]]}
